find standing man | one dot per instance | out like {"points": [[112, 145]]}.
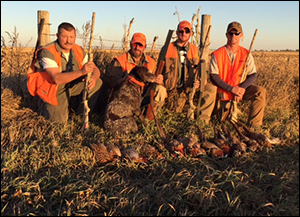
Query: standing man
{"points": [[179, 74], [123, 64], [226, 68], [57, 75]]}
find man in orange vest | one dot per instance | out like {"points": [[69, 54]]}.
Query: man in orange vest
{"points": [[57, 75], [226, 68], [123, 64], [179, 74]]}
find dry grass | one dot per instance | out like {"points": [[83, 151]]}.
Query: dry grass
{"points": [[48, 169]]}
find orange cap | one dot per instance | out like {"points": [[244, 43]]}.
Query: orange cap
{"points": [[138, 38], [184, 24]]}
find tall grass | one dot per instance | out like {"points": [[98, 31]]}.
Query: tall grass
{"points": [[48, 169]]}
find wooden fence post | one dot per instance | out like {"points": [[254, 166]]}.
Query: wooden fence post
{"points": [[45, 36], [206, 20]]}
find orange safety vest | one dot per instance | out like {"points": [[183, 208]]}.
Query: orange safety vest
{"points": [[171, 65], [230, 73], [127, 67], [39, 81], [191, 54]]}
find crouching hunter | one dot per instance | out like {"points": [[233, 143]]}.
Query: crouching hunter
{"points": [[57, 76]]}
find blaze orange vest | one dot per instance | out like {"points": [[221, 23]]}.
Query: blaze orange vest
{"points": [[230, 73], [127, 67], [39, 81], [191, 54], [172, 65]]}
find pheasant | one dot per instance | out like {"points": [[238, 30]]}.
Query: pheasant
{"points": [[211, 148], [105, 154], [175, 147], [151, 152], [132, 154], [252, 144], [222, 142], [260, 138], [192, 146], [237, 147]]}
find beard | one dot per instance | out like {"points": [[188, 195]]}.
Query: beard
{"points": [[136, 53]]}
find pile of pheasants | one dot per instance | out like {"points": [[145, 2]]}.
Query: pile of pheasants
{"points": [[224, 144]]}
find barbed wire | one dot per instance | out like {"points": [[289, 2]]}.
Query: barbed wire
{"points": [[158, 46]]}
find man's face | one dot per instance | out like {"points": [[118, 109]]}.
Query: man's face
{"points": [[184, 35], [233, 36], [66, 39], [137, 49]]}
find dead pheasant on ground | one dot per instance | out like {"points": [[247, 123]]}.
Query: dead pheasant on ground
{"points": [[212, 149], [133, 155], [104, 154]]}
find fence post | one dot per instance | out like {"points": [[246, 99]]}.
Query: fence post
{"points": [[45, 36], [206, 20]]}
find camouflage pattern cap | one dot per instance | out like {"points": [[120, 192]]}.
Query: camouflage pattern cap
{"points": [[138, 38], [235, 25]]}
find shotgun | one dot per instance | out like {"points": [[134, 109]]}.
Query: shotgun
{"points": [[159, 69], [233, 106], [202, 71], [161, 64], [86, 108]]}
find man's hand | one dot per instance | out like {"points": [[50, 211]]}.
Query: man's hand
{"points": [[197, 83], [238, 92], [91, 83], [159, 79], [88, 68]]}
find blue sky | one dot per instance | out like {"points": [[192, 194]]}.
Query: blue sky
{"points": [[277, 21]]}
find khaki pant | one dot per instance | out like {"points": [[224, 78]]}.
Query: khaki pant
{"points": [[60, 112], [207, 103], [257, 95]]}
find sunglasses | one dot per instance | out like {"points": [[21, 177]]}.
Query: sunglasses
{"points": [[187, 31], [234, 33]]}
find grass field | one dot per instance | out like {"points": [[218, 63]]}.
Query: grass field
{"points": [[48, 169]]}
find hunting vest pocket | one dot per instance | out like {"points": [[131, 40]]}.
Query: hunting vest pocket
{"points": [[38, 84], [47, 91]]}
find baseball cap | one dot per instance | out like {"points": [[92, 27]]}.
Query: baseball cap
{"points": [[138, 38], [184, 24], [235, 25]]}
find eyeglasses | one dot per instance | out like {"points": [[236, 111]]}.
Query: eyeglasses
{"points": [[234, 33], [187, 31]]}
